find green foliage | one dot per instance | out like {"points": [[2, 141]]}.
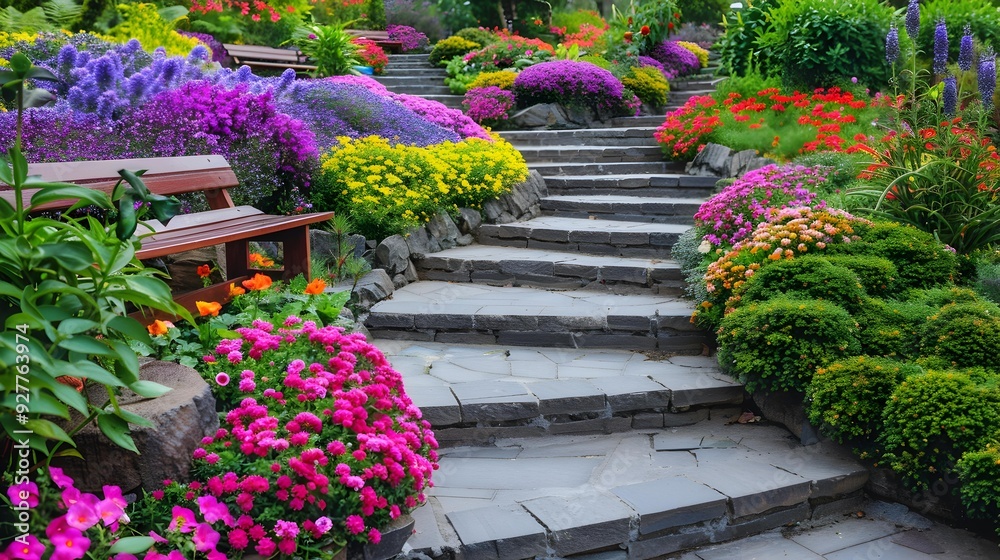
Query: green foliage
{"points": [[964, 334], [447, 49], [889, 327], [921, 260], [931, 420], [807, 277], [478, 35], [987, 280], [648, 84], [330, 48], [705, 11], [376, 14], [687, 251], [778, 344], [661, 17], [460, 76], [152, 29], [573, 20], [982, 17], [50, 16], [877, 275], [942, 296], [846, 398], [597, 60], [844, 170], [738, 52], [979, 472]]}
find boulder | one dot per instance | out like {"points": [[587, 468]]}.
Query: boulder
{"points": [[443, 229], [373, 288], [393, 254], [421, 243], [715, 160], [469, 220]]}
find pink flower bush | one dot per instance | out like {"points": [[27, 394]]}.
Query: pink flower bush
{"points": [[488, 105], [411, 38]]}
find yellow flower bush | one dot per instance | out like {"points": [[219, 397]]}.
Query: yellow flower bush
{"points": [[389, 188], [503, 79], [143, 22], [8, 39], [648, 84], [701, 53]]}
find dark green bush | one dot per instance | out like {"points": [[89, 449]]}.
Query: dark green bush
{"points": [[964, 335], [921, 260], [738, 45], [889, 327], [573, 20], [876, 274], [931, 420], [979, 472], [447, 49], [940, 297], [807, 277], [844, 170], [987, 281], [846, 398], [705, 11], [778, 344]]}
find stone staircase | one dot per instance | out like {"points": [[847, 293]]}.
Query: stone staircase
{"points": [[412, 74], [578, 409]]}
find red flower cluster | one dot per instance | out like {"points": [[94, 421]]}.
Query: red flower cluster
{"points": [[684, 132]]}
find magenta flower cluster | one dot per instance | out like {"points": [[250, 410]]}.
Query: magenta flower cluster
{"points": [[734, 213], [411, 38], [488, 105], [676, 60], [571, 83]]}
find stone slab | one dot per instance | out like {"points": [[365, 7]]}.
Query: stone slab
{"points": [[437, 404], [845, 534], [754, 487], [671, 502], [500, 532], [569, 396], [582, 523], [769, 546], [633, 393]]}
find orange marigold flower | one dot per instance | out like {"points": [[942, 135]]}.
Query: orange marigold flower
{"points": [[258, 282], [204, 270], [235, 290], [158, 327], [208, 308], [315, 287]]}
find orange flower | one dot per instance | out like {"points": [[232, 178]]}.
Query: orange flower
{"points": [[208, 308], [257, 259], [235, 290], [316, 287], [628, 36], [158, 327], [204, 270], [644, 30], [258, 282]]}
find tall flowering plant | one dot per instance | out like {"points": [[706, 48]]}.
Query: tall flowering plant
{"points": [[324, 446]]}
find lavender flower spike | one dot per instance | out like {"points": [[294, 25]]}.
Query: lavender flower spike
{"points": [[940, 47], [965, 49], [892, 44], [987, 76], [913, 18], [950, 96]]}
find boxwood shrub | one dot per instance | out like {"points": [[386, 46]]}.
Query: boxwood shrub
{"points": [[964, 335], [807, 277], [889, 328]]}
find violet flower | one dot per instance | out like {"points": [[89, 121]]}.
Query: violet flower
{"points": [[950, 95], [940, 47], [913, 18], [965, 49], [892, 44], [987, 77]]}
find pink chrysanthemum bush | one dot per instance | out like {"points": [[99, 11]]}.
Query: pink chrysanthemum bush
{"points": [[323, 448]]}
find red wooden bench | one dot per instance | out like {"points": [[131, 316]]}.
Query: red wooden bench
{"points": [[224, 223], [381, 38], [256, 56]]}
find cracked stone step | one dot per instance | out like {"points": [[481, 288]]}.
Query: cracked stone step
{"points": [[471, 393], [596, 237], [591, 154], [626, 208], [548, 169], [501, 266], [631, 184], [519, 316], [640, 136], [580, 495]]}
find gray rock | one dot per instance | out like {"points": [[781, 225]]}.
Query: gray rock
{"points": [[543, 115], [469, 220], [787, 408], [374, 287], [180, 419], [421, 243], [410, 273], [393, 254], [464, 240], [443, 229], [398, 281], [711, 160], [324, 245], [183, 267]]}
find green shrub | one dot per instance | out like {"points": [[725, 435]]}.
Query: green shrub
{"points": [[477, 35], [573, 20], [597, 60], [705, 11], [877, 275], [844, 170], [447, 49], [648, 84], [964, 334], [687, 252], [807, 277], [921, 260], [987, 282], [846, 398], [778, 344], [940, 297], [738, 52], [889, 327], [979, 472], [932, 419]]}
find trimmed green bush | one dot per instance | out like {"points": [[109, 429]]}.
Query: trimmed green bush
{"points": [[877, 275], [807, 277], [847, 397], [931, 420], [648, 84], [979, 472], [477, 35], [889, 328], [778, 344], [964, 335], [987, 281], [447, 49]]}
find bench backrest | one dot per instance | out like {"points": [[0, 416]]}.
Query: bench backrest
{"points": [[257, 52], [368, 33], [210, 174]]}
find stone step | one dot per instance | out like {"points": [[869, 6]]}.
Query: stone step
{"points": [[680, 96], [591, 154], [594, 237], [632, 184], [635, 495], [639, 136], [504, 266], [453, 101], [656, 209], [428, 71], [474, 393], [699, 81], [422, 90], [409, 80], [549, 169], [432, 311], [409, 56], [643, 121]]}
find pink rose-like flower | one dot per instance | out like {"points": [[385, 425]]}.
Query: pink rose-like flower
{"points": [[222, 379], [29, 490], [286, 529], [355, 524], [324, 524], [374, 536], [266, 547]]}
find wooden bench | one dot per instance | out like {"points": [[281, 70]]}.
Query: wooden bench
{"points": [[256, 56], [224, 223], [381, 38]]}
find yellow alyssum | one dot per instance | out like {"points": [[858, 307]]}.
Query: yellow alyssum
{"points": [[701, 53]]}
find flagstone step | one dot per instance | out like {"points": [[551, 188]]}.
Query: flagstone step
{"points": [[410, 79], [474, 393], [639, 136], [620, 207], [432, 311], [637, 495], [680, 96], [506, 266], [422, 90], [703, 82], [422, 72], [590, 154], [550, 169], [453, 101], [595, 237], [632, 184]]}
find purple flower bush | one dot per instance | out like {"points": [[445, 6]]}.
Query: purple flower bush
{"points": [[571, 83], [734, 213], [411, 38], [50, 135], [218, 51], [650, 61], [488, 105], [676, 60]]}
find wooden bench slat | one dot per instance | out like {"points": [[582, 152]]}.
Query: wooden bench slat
{"points": [[251, 227], [76, 171]]}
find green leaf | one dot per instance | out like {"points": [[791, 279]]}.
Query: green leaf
{"points": [[133, 418], [133, 179], [131, 545], [47, 429], [71, 255], [127, 219], [75, 325], [96, 373], [149, 389], [130, 328], [128, 362], [20, 64], [117, 431], [83, 195], [86, 345], [70, 452]]}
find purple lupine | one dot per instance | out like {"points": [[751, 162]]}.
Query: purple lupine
{"points": [[950, 95], [892, 44], [965, 49], [987, 76], [940, 47], [913, 19]]}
